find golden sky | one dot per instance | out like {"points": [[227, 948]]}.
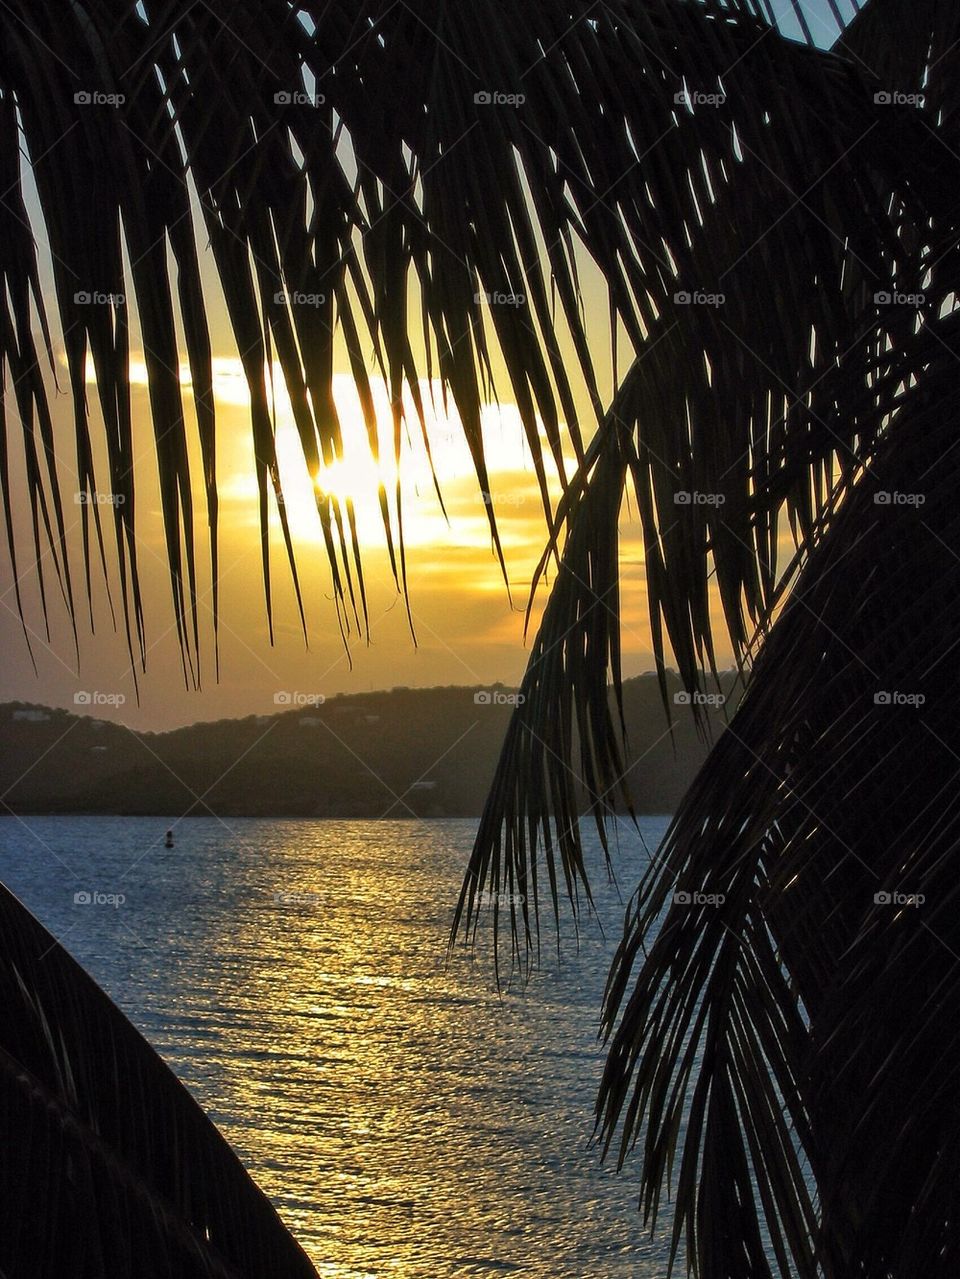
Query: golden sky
{"points": [[467, 630]]}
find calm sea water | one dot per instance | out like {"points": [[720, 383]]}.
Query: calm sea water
{"points": [[406, 1121]]}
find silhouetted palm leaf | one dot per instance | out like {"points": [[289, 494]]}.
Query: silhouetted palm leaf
{"points": [[824, 824], [781, 1039], [394, 181], [763, 407], [109, 1166]]}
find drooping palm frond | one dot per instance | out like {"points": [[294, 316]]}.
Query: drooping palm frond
{"points": [[109, 1167], [810, 946], [296, 141], [781, 1007], [751, 415], [536, 789]]}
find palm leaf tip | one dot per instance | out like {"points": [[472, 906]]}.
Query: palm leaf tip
{"points": [[110, 1167]]}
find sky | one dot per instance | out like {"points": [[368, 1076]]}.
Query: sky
{"points": [[466, 627]]}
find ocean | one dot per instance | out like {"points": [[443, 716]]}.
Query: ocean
{"points": [[407, 1119]]}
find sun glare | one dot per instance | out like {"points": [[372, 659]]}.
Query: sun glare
{"points": [[357, 476]]}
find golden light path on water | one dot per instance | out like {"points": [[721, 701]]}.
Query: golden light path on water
{"points": [[407, 1123]]}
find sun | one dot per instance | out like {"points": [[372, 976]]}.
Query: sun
{"points": [[356, 476], [348, 479]]}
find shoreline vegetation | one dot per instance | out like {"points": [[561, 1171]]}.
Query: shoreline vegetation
{"points": [[426, 752]]}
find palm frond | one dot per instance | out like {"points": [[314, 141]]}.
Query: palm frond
{"points": [[754, 411], [322, 169], [109, 1166], [814, 989], [542, 769]]}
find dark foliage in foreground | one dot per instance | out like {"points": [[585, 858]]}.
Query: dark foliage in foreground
{"points": [[109, 1167]]}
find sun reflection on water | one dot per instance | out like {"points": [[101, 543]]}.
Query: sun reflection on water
{"points": [[406, 1122]]}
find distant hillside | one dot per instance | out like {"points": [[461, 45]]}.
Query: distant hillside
{"points": [[426, 752]]}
